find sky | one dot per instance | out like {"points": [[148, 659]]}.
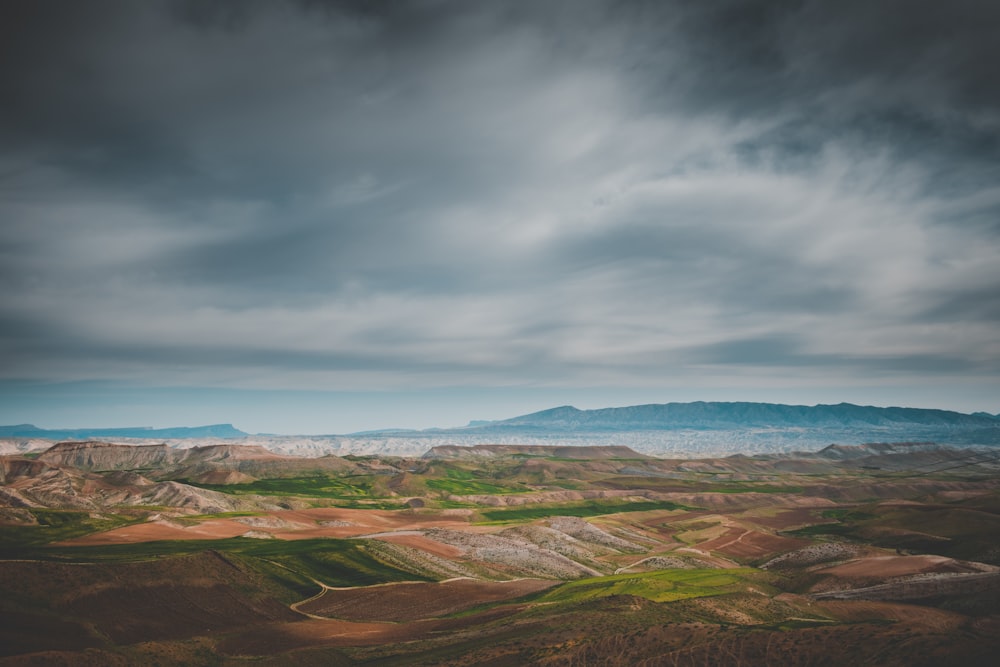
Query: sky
{"points": [[324, 217]]}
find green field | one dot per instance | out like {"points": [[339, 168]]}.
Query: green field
{"points": [[588, 508], [461, 487], [660, 586], [355, 490], [57, 525], [332, 561]]}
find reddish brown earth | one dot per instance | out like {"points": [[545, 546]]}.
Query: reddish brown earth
{"points": [[896, 566], [787, 519], [742, 543], [923, 618], [415, 601], [291, 525], [161, 530], [283, 637], [735, 502]]}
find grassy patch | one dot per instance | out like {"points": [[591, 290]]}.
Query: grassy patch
{"points": [[462, 481], [570, 484], [316, 486], [57, 525], [355, 491], [659, 586], [588, 508], [452, 504], [460, 487], [334, 562]]}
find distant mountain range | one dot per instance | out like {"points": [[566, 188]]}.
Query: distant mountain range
{"points": [[32, 431], [715, 415], [701, 427]]}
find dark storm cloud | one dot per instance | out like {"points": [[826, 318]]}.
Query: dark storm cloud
{"points": [[842, 59], [477, 192]]}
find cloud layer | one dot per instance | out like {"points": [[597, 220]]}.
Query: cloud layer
{"points": [[372, 196]]}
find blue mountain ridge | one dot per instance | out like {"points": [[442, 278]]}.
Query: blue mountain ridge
{"points": [[651, 417], [709, 415], [212, 431]]}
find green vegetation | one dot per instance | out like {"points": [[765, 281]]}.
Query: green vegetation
{"points": [[584, 509], [357, 490], [659, 586], [463, 481], [569, 484], [471, 487], [57, 525], [316, 486], [190, 593], [365, 491], [462, 488], [334, 562]]}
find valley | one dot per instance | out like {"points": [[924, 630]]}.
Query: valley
{"points": [[229, 554]]}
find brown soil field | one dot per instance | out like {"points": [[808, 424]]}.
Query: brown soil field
{"points": [[859, 611], [895, 566], [962, 495], [371, 521], [786, 519], [741, 543], [277, 638], [160, 530], [415, 601], [734, 502], [703, 558], [351, 523]]}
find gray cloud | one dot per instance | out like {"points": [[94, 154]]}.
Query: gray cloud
{"points": [[340, 194]]}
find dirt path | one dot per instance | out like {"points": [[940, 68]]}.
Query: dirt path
{"points": [[323, 588], [406, 602], [736, 540]]}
